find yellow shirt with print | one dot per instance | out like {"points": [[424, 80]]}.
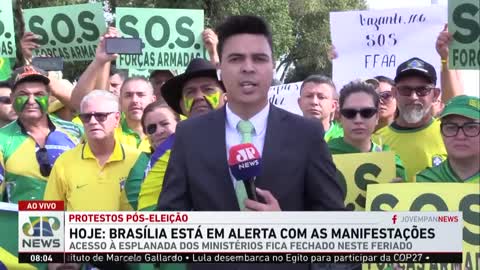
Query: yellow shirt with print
{"points": [[84, 185], [127, 136], [419, 148]]}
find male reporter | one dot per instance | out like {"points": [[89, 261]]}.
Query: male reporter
{"points": [[297, 173]]}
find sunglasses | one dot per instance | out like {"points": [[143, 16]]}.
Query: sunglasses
{"points": [[470, 129], [151, 129], [43, 162], [5, 100], [385, 96], [365, 113], [421, 91], [99, 116]]}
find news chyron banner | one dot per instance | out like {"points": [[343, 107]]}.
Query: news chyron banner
{"points": [[247, 237], [441, 197]]}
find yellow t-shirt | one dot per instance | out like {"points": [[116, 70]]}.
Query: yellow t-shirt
{"points": [[129, 137], [419, 148], [79, 181]]}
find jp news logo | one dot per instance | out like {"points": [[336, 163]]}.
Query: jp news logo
{"points": [[41, 233], [41, 226]]}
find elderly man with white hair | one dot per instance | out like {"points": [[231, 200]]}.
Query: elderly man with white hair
{"points": [[91, 176]]}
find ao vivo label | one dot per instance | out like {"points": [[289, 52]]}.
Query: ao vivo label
{"points": [[71, 32], [41, 227]]}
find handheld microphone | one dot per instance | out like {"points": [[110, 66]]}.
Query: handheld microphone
{"points": [[245, 165]]}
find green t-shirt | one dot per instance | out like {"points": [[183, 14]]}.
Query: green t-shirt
{"points": [[335, 131], [339, 146], [443, 173]]}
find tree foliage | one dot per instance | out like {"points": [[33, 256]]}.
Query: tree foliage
{"points": [[301, 30]]}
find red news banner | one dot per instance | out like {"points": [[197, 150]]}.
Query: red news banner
{"points": [[48, 234]]}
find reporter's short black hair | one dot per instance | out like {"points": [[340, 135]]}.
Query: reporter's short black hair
{"points": [[242, 24]]}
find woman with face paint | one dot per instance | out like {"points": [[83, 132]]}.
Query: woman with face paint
{"points": [[34, 140], [144, 184]]}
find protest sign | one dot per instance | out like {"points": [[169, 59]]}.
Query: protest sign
{"points": [[7, 32], [356, 171], [433, 197], [285, 96], [171, 37], [71, 32], [464, 25], [371, 43]]}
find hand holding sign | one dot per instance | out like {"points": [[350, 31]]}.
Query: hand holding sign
{"points": [[443, 41], [28, 44]]}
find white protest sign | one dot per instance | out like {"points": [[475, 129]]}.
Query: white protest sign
{"points": [[371, 43], [285, 96]]}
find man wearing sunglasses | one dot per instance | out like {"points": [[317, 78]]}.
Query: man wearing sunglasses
{"points": [[30, 145], [7, 114], [460, 128], [414, 135], [91, 176]]}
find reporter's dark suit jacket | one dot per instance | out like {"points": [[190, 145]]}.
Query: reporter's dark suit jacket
{"points": [[297, 169]]}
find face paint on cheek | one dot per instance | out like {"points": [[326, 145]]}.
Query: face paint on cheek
{"points": [[42, 101], [19, 103], [188, 103], [213, 99]]}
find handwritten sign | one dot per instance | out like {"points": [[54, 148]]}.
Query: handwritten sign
{"points": [[71, 32], [432, 197], [464, 25], [285, 96], [172, 37], [7, 33], [357, 171], [371, 43]]}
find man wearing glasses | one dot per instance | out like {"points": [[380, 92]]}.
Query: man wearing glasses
{"points": [[30, 145], [7, 114], [460, 127], [414, 135], [91, 176]]}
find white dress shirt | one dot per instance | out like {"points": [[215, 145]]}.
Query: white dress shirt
{"points": [[233, 137]]}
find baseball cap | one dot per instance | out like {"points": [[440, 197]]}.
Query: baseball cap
{"points": [[468, 106], [416, 67], [28, 73]]}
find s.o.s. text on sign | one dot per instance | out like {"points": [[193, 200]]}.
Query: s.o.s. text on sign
{"points": [[464, 25], [172, 37], [7, 34], [71, 32]]}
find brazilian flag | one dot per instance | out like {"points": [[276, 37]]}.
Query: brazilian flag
{"points": [[9, 238], [5, 71]]}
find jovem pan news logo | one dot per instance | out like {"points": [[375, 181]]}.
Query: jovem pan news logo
{"points": [[40, 231]]}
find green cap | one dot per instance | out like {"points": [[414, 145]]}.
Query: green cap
{"points": [[468, 106]]}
